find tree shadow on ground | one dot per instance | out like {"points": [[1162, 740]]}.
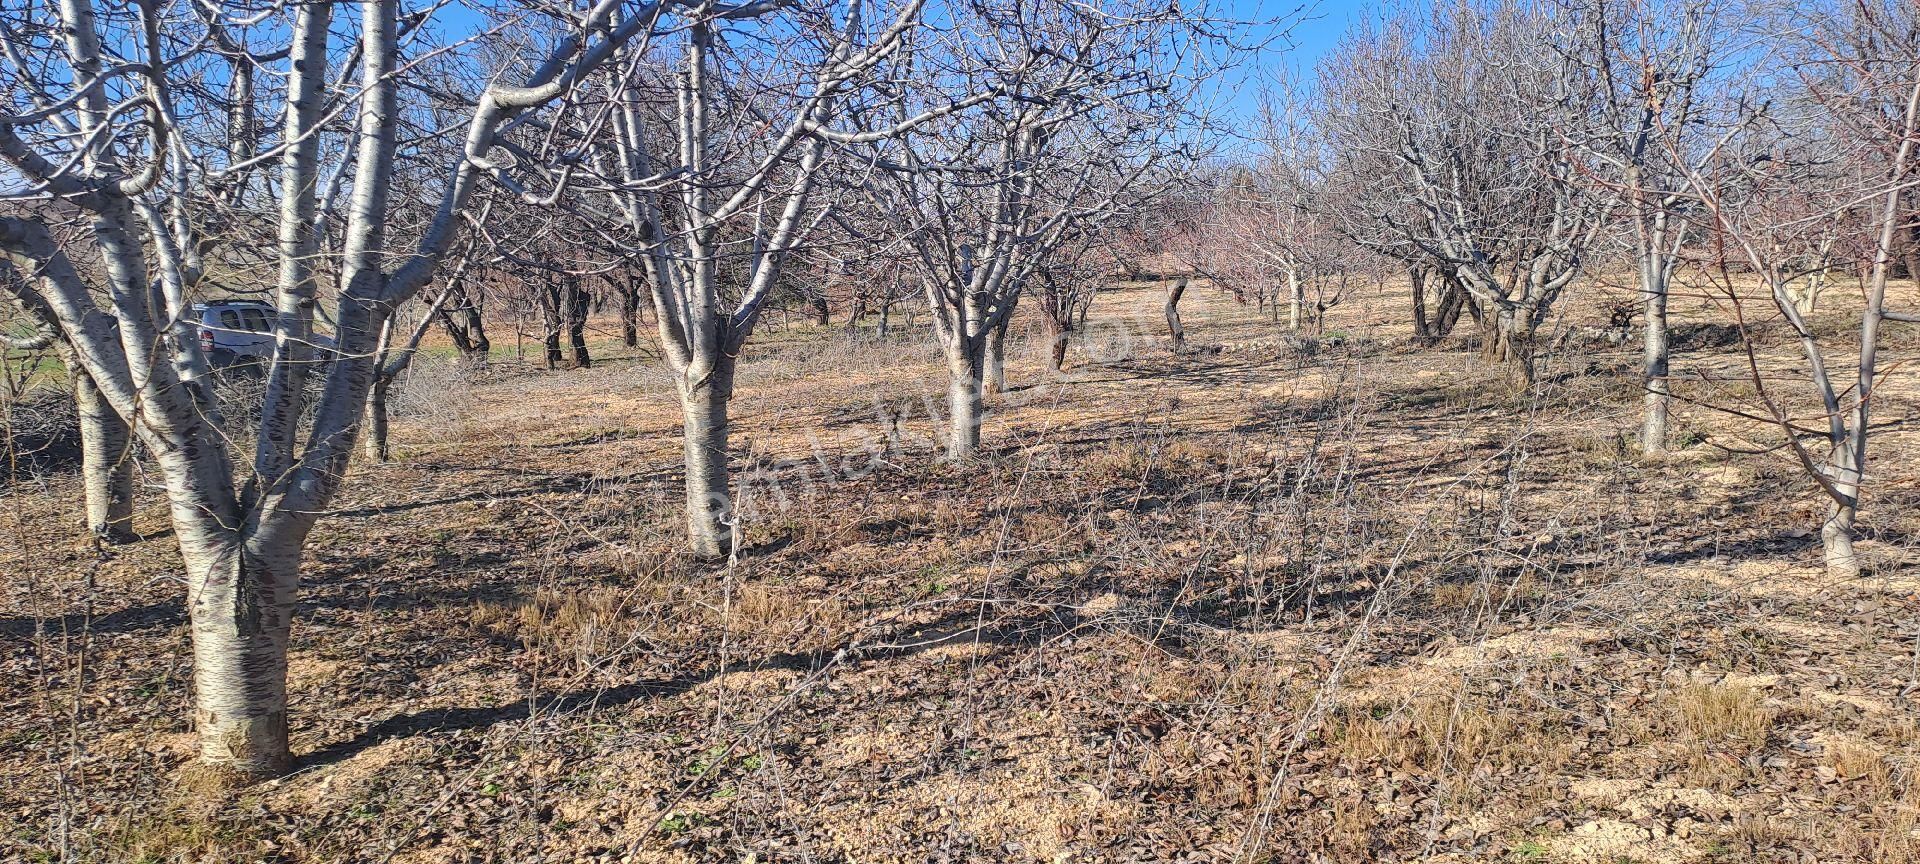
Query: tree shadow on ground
{"points": [[164, 613], [962, 627]]}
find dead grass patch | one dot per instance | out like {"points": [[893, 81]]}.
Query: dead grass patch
{"points": [[1462, 740], [579, 627]]}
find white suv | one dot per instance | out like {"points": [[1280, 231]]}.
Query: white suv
{"points": [[235, 332]]}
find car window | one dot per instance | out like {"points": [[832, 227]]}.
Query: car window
{"points": [[229, 319], [256, 320]]}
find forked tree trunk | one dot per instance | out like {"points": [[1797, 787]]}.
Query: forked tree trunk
{"points": [[1431, 326], [106, 462], [1453, 300], [1506, 339], [241, 547], [1174, 330], [241, 606], [709, 500], [1058, 333], [466, 326], [854, 315]]}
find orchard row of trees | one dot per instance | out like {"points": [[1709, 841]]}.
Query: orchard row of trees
{"points": [[697, 163], [1504, 154], [344, 160]]}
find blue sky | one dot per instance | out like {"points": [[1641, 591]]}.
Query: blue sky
{"points": [[1318, 25], [1313, 29]]}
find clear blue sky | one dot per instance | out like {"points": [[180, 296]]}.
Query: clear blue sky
{"points": [[1312, 28]]}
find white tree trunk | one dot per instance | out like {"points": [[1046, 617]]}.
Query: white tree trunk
{"points": [[1836, 533], [1296, 297], [241, 606], [106, 462], [965, 399], [705, 434], [1654, 363], [1836, 540]]}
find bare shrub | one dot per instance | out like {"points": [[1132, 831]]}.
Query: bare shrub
{"points": [[433, 393]]}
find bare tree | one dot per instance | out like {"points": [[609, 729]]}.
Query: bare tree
{"points": [[390, 360], [95, 128], [718, 214], [1861, 70], [1084, 107], [1065, 286], [1176, 334], [1467, 114], [1652, 61]]}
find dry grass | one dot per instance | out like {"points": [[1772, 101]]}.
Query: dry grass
{"points": [[1336, 599], [1722, 714]]}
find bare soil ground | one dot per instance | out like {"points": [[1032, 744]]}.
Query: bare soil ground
{"points": [[1330, 599]]}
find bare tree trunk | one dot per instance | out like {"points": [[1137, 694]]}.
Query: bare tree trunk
{"points": [[994, 379], [376, 442], [1506, 338], [1174, 329], [630, 312], [106, 462], [1453, 300], [1910, 250], [965, 401], [389, 362], [1431, 326], [577, 301], [709, 501], [886, 314], [854, 315], [477, 333], [1296, 297], [1058, 333], [241, 606], [377, 449], [552, 321], [465, 325], [1654, 364], [1417, 277], [1836, 541]]}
